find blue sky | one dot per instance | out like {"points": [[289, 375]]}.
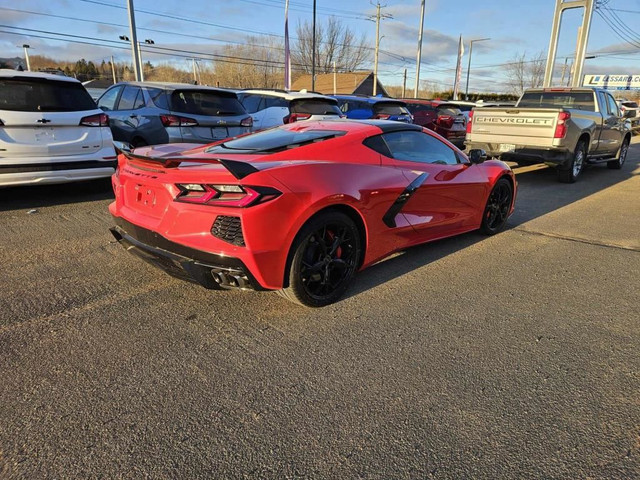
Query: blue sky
{"points": [[515, 27]]}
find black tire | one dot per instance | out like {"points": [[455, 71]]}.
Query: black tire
{"points": [[620, 157], [575, 167], [325, 257], [496, 212]]}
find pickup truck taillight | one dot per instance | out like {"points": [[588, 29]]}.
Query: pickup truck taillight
{"points": [[470, 121], [561, 126]]}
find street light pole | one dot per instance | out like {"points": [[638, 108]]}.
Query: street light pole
{"points": [[26, 56], [466, 90], [135, 52], [149, 42]]}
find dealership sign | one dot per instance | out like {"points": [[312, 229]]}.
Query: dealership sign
{"points": [[613, 82]]}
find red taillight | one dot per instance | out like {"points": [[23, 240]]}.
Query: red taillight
{"points": [[176, 121], [99, 120], [382, 116], [294, 117], [561, 126], [225, 195], [246, 122], [470, 121]]}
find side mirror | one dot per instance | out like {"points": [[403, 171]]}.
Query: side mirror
{"points": [[477, 156], [122, 147]]}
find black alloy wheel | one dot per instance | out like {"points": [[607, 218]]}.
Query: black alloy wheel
{"points": [[326, 256], [498, 206]]}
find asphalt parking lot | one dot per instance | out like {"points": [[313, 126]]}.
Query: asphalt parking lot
{"points": [[514, 356]]}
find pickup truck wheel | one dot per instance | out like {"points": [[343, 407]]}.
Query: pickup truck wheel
{"points": [[570, 174], [497, 210], [622, 156]]}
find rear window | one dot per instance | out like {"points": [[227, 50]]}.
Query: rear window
{"points": [[451, 110], [315, 107], [388, 108], [274, 140], [417, 107], [577, 100], [206, 102], [630, 104], [40, 95]]}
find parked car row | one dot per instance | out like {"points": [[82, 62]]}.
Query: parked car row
{"points": [[54, 133]]}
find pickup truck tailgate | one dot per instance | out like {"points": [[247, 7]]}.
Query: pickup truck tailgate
{"points": [[519, 126]]}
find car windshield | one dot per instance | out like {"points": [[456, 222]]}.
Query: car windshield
{"points": [[206, 102], [315, 107], [43, 95], [560, 99], [390, 108], [274, 140]]}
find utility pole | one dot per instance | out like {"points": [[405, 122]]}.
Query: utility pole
{"points": [[404, 85], [335, 79], [583, 38], [195, 73], [377, 51], [137, 65], [375, 64], [113, 71], [26, 48], [313, 54], [419, 58]]}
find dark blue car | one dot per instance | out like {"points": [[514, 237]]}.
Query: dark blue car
{"points": [[363, 108]]}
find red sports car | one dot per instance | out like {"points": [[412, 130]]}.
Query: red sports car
{"points": [[302, 207]]}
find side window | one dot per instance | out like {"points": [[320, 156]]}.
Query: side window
{"points": [[251, 103], [414, 146], [128, 98], [604, 103], [613, 106], [140, 102], [275, 102], [108, 100], [158, 97]]}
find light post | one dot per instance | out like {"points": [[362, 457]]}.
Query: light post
{"points": [[148, 41], [466, 90], [26, 56]]}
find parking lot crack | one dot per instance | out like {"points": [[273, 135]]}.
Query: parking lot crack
{"points": [[579, 240]]}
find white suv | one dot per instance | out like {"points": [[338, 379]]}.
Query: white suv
{"points": [[51, 131], [270, 108]]}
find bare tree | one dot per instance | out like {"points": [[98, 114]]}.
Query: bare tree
{"points": [[335, 42], [257, 63], [525, 73]]}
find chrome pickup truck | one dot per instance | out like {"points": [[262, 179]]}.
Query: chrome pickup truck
{"points": [[561, 127]]}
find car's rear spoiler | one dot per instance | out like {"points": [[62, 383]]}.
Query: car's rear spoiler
{"points": [[237, 168]]}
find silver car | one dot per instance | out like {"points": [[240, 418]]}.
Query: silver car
{"points": [[146, 113]]}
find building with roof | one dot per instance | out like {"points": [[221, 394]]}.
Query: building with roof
{"points": [[360, 83]]}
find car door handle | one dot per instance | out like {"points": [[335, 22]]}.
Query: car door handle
{"points": [[133, 116]]}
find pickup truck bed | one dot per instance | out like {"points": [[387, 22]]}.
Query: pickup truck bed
{"points": [[570, 128]]}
